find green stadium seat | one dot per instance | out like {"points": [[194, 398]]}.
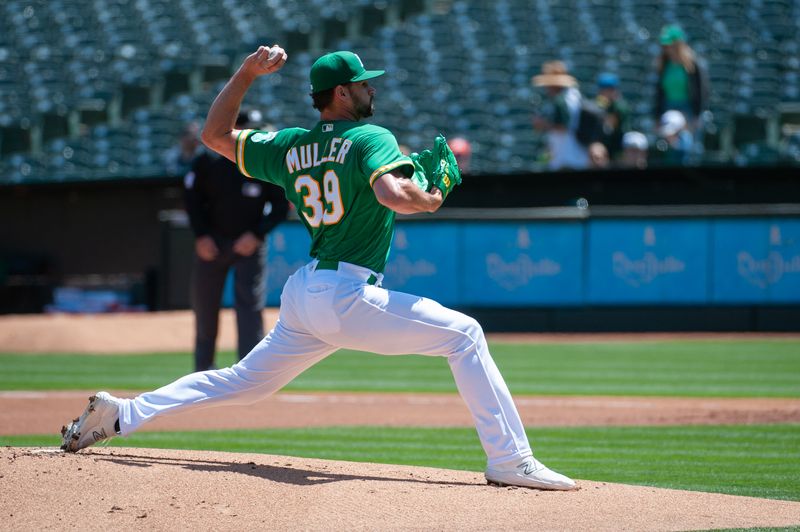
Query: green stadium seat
{"points": [[88, 57]]}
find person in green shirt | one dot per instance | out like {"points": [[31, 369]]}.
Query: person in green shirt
{"points": [[347, 180], [682, 79]]}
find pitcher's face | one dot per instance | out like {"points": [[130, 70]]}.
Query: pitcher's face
{"points": [[362, 95]]}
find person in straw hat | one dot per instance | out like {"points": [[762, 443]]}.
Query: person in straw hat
{"points": [[561, 123]]}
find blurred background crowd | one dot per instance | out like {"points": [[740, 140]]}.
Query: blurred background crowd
{"points": [[109, 89]]}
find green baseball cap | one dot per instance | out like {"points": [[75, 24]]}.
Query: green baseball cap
{"points": [[338, 68], [671, 34]]}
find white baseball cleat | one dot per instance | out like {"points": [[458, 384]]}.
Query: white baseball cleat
{"points": [[95, 424], [530, 473]]}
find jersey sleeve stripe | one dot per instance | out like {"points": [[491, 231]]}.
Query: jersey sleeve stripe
{"points": [[240, 142], [385, 168]]}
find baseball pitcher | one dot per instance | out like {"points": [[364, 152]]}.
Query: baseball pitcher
{"points": [[347, 180]]}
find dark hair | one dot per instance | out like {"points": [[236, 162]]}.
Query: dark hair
{"points": [[322, 99]]}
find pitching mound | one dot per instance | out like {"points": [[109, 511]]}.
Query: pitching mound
{"points": [[119, 489]]}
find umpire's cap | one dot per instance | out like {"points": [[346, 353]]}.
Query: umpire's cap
{"points": [[338, 68]]}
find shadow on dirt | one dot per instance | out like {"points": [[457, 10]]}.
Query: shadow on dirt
{"points": [[285, 474]]}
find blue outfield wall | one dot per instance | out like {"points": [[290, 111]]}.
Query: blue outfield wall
{"points": [[756, 261], [601, 262], [647, 262]]}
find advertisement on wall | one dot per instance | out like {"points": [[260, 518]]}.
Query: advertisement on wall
{"points": [[522, 264], [287, 251], [425, 261], [573, 263], [649, 261], [756, 261]]}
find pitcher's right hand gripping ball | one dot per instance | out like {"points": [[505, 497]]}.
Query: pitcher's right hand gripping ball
{"points": [[437, 168], [265, 60]]}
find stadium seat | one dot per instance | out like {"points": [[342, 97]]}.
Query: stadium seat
{"points": [[135, 67]]}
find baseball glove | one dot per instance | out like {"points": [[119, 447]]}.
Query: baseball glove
{"points": [[423, 162], [437, 168]]}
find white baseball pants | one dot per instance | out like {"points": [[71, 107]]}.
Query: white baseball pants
{"points": [[324, 310]]}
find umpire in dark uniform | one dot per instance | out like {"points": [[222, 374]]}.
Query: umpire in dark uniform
{"points": [[230, 216]]}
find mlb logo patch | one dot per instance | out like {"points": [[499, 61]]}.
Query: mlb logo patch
{"points": [[327, 128]]}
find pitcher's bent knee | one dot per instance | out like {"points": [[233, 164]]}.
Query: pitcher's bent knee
{"points": [[471, 333]]}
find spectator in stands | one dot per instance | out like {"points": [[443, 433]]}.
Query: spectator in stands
{"points": [[598, 155], [682, 80], [790, 147], [634, 150], [616, 113], [561, 122], [178, 159], [230, 216], [462, 149], [676, 139]]}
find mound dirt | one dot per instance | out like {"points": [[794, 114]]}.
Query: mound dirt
{"points": [[123, 489]]}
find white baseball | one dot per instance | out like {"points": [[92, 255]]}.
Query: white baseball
{"points": [[273, 53]]}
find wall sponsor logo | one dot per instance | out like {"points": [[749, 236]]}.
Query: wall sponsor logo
{"points": [[400, 240], [282, 263], [401, 269], [648, 268], [638, 272], [278, 242], [519, 272], [766, 271]]}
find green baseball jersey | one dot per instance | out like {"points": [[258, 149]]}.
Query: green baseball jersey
{"points": [[328, 173]]}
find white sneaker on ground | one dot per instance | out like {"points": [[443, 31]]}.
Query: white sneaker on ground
{"points": [[97, 423], [530, 473]]}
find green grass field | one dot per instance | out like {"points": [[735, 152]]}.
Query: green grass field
{"points": [[702, 368], [756, 460]]}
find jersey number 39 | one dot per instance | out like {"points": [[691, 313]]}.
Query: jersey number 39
{"points": [[327, 211]]}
